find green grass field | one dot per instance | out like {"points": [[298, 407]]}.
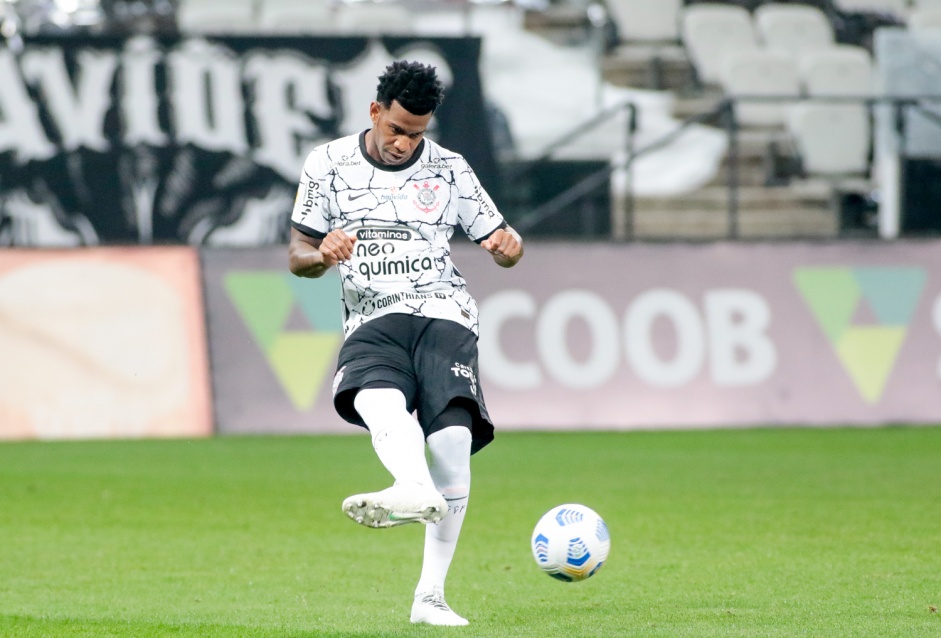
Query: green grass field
{"points": [[790, 532]]}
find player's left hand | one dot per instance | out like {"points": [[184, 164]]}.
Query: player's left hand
{"points": [[505, 246]]}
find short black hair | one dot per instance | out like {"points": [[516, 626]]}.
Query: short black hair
{"points": [[413, 85]]}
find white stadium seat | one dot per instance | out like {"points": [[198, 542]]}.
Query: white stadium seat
{"points": [[832, 140], [646, 20], [793, 27], [213, 16], [927, 18], [292, 16], [841, 70], [711, 31], [761, 73]]}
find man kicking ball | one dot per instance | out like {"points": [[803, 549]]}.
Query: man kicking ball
{"points": [[382, 206]]}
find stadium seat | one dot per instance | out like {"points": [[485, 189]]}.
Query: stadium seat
{"points": [[710, 32], [926, 18], [840, 70], [372, 18], [646, 20], [212, 16], [793, 27], [291, 16], [832, 140], [761, 72]]}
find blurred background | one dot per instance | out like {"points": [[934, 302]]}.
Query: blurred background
{"points": [[751, 187]]}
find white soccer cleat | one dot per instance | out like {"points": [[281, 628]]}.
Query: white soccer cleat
{"points": [[397, 505], [429, 608]]}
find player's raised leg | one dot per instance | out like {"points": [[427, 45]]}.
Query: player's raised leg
{"points": [[400, 445], [450, 468]]}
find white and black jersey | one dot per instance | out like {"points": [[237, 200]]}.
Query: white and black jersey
{"points": [[403, 218]]}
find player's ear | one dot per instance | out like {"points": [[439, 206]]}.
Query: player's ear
{"points": [[374, 112]]}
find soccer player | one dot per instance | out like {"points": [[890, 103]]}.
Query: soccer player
{"points": [[382, 206]]}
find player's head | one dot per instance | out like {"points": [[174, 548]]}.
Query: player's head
{"points": [[413, 85], [406, 98]]}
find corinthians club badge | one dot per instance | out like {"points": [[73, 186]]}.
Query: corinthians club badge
{"points": [[426, 200]]}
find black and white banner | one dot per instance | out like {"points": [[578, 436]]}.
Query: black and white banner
{"points": [[142, 140]]}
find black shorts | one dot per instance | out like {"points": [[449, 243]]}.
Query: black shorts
{"points": [[432, 361]]}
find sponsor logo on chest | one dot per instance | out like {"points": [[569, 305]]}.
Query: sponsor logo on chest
{"points": [[390, 253], [395, 193]]}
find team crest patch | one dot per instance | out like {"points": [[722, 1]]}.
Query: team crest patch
{"points": [[426, 199]]}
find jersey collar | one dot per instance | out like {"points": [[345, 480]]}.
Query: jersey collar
{"points": [[385, 167]]}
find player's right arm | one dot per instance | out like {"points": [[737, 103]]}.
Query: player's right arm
{"points": [[314, 247], [312, 257]]}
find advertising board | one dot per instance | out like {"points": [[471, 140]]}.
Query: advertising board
{"points": [[103, 342], [621, 336]]}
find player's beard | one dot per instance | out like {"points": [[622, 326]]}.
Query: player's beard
{"points": [[390, 157]]}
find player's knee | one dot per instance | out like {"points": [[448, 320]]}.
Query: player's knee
{"points": [[452, 443], [454, 436], [370, 402], [450, 456]]}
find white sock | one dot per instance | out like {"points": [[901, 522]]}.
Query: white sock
{"points": [[397, 437], [450, 469]]}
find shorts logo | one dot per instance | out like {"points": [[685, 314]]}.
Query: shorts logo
{"points": [[426, 200], [461, 370]]}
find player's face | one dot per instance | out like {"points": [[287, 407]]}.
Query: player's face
{"points": [[395, 133]]}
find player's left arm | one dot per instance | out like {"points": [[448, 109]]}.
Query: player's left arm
{"points": [[483, 223], [506, 246]]}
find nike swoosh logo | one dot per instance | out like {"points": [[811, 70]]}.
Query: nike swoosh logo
{"points": [[352, 197]]}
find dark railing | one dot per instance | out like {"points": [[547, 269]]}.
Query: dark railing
{"points": [[581, 189], [579, 192], [722, 114], [728, 106]]}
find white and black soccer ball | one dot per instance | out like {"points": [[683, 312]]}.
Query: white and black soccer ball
{"points": [[571, 542]]}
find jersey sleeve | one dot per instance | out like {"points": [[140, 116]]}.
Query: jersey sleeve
{"points": [[311, 214], [477, 214]]}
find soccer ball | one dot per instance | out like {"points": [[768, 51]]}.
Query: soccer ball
{"points": [[571, 542]]}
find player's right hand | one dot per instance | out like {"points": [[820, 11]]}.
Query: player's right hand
{"points": [[337, 246]]}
